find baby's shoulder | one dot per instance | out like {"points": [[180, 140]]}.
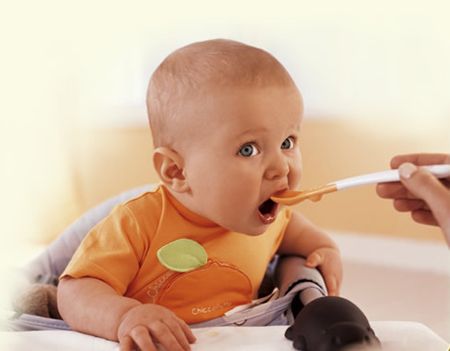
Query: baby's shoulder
{"points": [[147, 204], [137, 218], [148, 199]]}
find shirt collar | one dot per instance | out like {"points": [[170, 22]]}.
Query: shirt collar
{"points": [[187, 213]]}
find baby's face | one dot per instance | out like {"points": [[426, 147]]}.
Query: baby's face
{"points": [[243, 148]]}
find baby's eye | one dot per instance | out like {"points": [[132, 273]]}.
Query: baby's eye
{"points": [[248, 150], [288, 143]]}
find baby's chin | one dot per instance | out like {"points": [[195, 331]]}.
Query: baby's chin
{"points": [[250, 231], [251, 227], [255, 233]]}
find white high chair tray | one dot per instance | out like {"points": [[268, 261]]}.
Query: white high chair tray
{"points": [[398, 336]]}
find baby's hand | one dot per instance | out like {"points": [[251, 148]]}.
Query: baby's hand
{"points": [[328, 260], [146, 324]]}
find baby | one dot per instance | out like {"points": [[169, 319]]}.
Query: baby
{"points": [[225, 119]]}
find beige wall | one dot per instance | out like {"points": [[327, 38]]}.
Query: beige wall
{"points": [[335, 149], [108, 161], [351, 60]]}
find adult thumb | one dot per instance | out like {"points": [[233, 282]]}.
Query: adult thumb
{"points": [[427, 187]]}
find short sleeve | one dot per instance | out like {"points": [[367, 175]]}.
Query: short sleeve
{"points": [[112, 251]]}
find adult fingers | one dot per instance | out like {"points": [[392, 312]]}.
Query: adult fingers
{"points": [[427, 187], [390, 190], [395, 190], [424, 217], [420, 159], [408, 205]]}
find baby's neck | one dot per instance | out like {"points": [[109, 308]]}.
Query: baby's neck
{"points": [[181, 203]]}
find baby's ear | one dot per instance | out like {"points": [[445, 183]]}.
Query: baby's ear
{"points": [[170, 167]]}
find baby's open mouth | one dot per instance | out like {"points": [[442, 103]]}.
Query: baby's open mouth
{"points": [[267, 211]]}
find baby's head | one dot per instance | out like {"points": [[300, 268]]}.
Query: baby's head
{"points": [[188, 74], [225, 119]]}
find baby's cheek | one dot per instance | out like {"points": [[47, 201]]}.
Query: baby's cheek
{"points": [[295, 176]]}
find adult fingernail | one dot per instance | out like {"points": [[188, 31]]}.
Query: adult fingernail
{"points": [[406, 170]]}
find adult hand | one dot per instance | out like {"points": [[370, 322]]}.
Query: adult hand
{"points": [[422, 194]]}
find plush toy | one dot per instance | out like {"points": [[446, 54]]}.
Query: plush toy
{"points": [[331, 323], [38, 300]]}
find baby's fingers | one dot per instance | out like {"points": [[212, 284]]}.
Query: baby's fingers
{"points": [[332, 274], [126, 343], [140, 337], [314, 260], [187, 331], [183, 335], [167, 337], [331, 283]]}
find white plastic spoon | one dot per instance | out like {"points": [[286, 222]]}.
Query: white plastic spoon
{"points": [[292, 197]]}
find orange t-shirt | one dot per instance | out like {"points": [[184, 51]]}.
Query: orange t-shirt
{"points": [[121, 251]]}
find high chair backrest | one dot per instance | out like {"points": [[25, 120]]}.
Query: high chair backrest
{"points": [[48, 266]]}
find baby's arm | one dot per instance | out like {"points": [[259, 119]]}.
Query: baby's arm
{"points": [[302, 238], [93, 307]]}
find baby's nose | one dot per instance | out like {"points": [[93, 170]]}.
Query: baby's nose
{"points": [[278, 168]]}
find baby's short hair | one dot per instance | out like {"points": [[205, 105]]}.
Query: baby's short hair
{"points": [[198, 67]]}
